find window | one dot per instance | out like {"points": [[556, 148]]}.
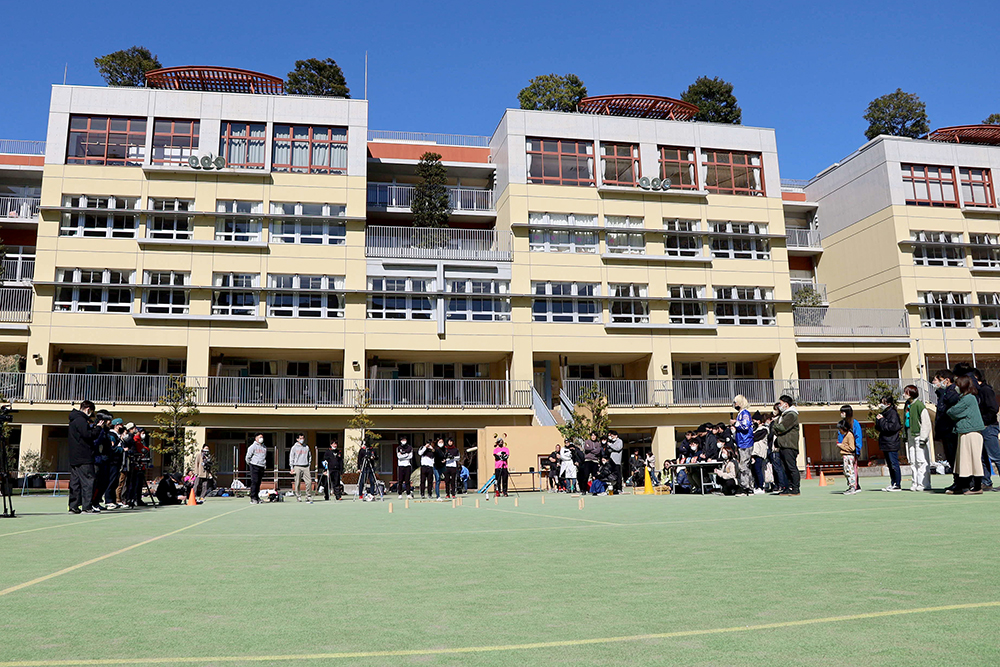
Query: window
{"points": [[305, 296], [242, 144], [478, 300], [169, 219], [682, 238], [545, 239], [166, 292], [678, 165], [304, 149], [311, 229], [744, 305], [106, 140], [401, 299], [174, 141], [989, 309], [595, 371], [101, 217], [243, 229], [235, 294], [937, 249], [929, 186], [622, 242], [93, 291], [560, 162], [985, 251], [566, 302], [627, 304], [734, 173], [684, 309], [740, 240], [977, 187], [945, 310], [619, 164]]}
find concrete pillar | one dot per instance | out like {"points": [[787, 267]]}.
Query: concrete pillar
{"points": [[31, 441], [663, 445]]}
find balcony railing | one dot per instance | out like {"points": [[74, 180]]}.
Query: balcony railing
{"points": [[819, 288], [620, 393], [15, 304], [19, 264], [429, 138], [722, 392], [22, 147], [464, 200], [432, 393], [851, 322], [842, 390], [19, 208], [803, 238], [421, 242], [266, 391]]}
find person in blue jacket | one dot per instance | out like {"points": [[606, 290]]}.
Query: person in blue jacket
{"points": [[847, 414], [743, 424]]}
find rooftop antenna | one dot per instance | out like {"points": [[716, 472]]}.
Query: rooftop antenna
{"points": [[366, 75], [65, 69]]}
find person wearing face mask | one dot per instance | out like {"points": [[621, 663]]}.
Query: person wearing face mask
{"points": [[451, 456], [300, 460], [256, 459], [500, 455], [786, 431], [333, 464], [615, 447], [847, 416], [888, 425], [426, 454], [725, 474], [202, 472], [404, 466], [944, 426]]}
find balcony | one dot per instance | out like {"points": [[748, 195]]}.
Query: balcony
{"points": [[838, 391], [429, 138], [803, 240], [434, 393], [423, 243], [15, 304], [22, 147], [855, 324], [19, 208], [818, 288], [620, 393], [700, 393], [397, 198], [271, 391]]}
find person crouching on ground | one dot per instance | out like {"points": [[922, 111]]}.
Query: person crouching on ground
{"points": [[846, 445], [726, 473], [167, 492], [605, 479], [968, 427], [917, 426]]}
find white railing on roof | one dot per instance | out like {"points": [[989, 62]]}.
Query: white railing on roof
{"points": [[19, 208], [430, 138], [850, 322], [22, 147], [421, 242], [390, 195], [803, 238], [794, 184]]}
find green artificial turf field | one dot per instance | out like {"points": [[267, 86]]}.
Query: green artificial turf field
{"points": [[632, 580]]}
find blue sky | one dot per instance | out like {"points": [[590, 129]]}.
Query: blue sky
{"points": [[806, 69]]}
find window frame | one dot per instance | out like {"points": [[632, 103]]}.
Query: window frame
{"points": [[989, 309], [115, 219], [621, 164], [739, 240], [737, 305], [227, 140], [192, 138], [672, 238], [402, 298], [713, 166], [683, 311], [680, 165], [946, 314], [984, 181], [82, 285], [553, 227], [985, 250], [911, 179], [544, 153], [488, 294], [312, 144], [181, 212], [248, 294], [624, 235], [943, 249], [171, 289], [630, 307], [135, 138], [330, 291], [334, 232], [549, 294]]}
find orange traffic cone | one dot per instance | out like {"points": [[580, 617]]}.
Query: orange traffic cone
{"points": [[822, 478], [808, 472], [191, 499]]}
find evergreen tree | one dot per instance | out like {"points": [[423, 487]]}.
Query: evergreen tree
{"points": [[430, 203], [715, 101], [317, 77], [180, 412], [127, 67], [897, 114], [551, 92]]}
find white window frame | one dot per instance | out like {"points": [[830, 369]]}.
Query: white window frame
{"points": [[624, 235], [687, 312], [329, 289], [948, 310], [477, 300], [398, 298], [752, 306], [677, 230], [985, 258], [989, 309], [571, 240], [233, 285], [937, 255], [173, 216], [748, 244], [171, 284], [626, 299], [238, 229], [550, 294], [94, 283], [303, 231], [106, 214]]}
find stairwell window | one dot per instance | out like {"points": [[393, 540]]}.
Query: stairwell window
{"points": [[242, 225], [628, 304], [687, 304], [739, 240], [169, 219], [401, 299], [93, 291], [937, 248], [566, 302], [682, 238], [478, 300], [100, 217], [560, 161], [977, 187], [948, 310], [929, 185], [619, 164], [744, 305], [166, 292], [305, 296], [235, 294]]}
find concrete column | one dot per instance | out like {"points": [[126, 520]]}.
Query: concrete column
{"points": [[663, 444], [31, 440]]}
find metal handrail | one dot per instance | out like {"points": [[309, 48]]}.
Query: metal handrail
{"points": [[421, 242], [392, 195], [849, 322], [803, 238], [19, 264], [475, 141], [19, 208], [22, 147], [463, 393], [15, 304]]}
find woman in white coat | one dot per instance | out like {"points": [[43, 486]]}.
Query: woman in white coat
{"points": [[567, 469]]}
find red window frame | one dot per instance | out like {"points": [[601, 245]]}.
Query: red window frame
{"points": [[673, 156], [921, 173], [555, 153], [983, 178], [91, 137], [619, 160], [732, 171], [226, 136], [312, 142], [186, 141]]}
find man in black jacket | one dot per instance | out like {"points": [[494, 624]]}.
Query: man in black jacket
{"points": [[988, 408], [333, 461], [944, 427], [82, 435], [888, 426]]}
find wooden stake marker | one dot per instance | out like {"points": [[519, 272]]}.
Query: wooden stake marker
{"points": [[406, 503], [477, 503], [543, 500], [581, 503], [454, 503], [390, 508], [515, 501]]}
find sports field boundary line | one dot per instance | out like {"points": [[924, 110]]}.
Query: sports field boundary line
{"points": [[83, 522], [98, 559], [501, 648]]}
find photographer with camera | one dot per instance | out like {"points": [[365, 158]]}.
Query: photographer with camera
{"points": [[367, 458], [203, 472], [102, 457], [404, 464], [256, 459], [500, 456], [111, 500], [140, 463], [82, 437]]}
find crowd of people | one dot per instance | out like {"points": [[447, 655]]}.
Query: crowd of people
{"points": [[593, 466]]}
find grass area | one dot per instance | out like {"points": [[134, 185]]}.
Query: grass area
{"points": [[236, 581]]}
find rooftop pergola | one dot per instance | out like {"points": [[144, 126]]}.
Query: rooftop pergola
{"points": [[988, 135], [216, 80], [638, 106]]}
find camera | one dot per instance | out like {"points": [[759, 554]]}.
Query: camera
{"points": [[6, 414], [103, 416]]}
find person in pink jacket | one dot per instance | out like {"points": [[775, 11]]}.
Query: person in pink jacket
{"points": [[500, 471]]}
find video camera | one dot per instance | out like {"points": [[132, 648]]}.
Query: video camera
{"points": [[103, 416]]}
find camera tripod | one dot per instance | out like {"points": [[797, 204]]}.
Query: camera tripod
{"points": [[496, 484], [368, 466]]}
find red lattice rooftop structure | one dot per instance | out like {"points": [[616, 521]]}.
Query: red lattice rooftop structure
{"points": [[638, 106], [215, 79], [968, 134]]}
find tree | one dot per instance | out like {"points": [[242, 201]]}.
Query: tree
{"points": [[317, 77], [897, 114], [361, 421], [180, 412], [590, 414], [992, 119], [715, 101], [551, 92], [430, 203], [127, 67], [9, 364], [877, 390], [807, 297]]}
